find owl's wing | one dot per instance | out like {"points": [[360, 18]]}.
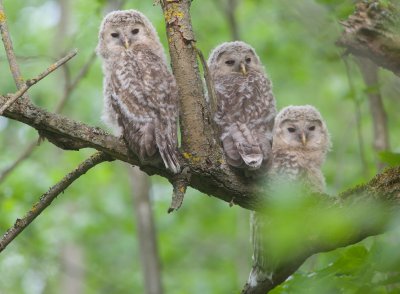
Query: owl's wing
{"points": [[166, 126], [145, 97], [149, 90], [246, 144], [240, 145], [265, 112], [138, 132]]}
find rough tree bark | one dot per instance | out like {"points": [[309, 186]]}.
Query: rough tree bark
{"points": [[373, 31]]}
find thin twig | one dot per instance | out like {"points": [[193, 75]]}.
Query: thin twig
{"points": [[29, 83], [360, 137], [48, 197], [12, 60], [369, 71], [21, 158], [72, 84], [209, 82]]}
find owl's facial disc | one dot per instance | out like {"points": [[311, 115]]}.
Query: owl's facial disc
{"points": [[303, 134], [124, 37]]}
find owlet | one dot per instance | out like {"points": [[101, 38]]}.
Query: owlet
{"points": [[140, 93], [246, 105]]}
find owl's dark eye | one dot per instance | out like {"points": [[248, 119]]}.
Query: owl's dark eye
{"points": [[291, 130], [312, 128], [248, 60], [135, 31], [230, 62], [114, 35]]}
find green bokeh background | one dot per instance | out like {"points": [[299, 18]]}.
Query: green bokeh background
{"points": [[204, 247]]}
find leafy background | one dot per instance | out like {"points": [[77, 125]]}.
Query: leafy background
{"points": [[204, 247]]}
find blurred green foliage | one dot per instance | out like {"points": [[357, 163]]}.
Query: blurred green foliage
{"points": [[204, 247]]}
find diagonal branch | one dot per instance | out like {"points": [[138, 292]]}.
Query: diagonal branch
{"points": [[4, 173], [49, 196], [382, 194], [29, 83], [12, 60], [71, 86]]}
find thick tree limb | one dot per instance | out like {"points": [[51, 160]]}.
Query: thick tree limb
{"points": [[69, 88], [209, 173], [67, 134], [372, 31], [49, 196], [29, 83], [196, 127], [383, 190]]}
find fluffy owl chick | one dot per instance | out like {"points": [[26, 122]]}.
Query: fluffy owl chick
{"points": [[300, 144], [246, 105], [140, 94]]}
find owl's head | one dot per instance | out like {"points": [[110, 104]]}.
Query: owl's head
{"points": [[301, 128], [123, 30], [234, 58]]}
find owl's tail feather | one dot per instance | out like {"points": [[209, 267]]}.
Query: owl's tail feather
{"points": [[248, 148], [170, 158], [146, 143], [167, 145]]}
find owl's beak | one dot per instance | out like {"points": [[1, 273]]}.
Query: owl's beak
{"points": [[303, 139], [126, 43], [243, 68]]}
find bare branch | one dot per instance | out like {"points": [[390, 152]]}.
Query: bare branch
{"points": [[364, 164], [12, 60], [71, 86], [369, 71], [209, 83], [29, 83], [49, 196], [21, 158]]}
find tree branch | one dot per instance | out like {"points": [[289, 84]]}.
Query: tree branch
{"points": [[72, 135], [29, 83], [20, 159], [195, 120], [12, 60], [372, 31], [369, 71], [70, 87], [49, 196], [382, 192]]}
